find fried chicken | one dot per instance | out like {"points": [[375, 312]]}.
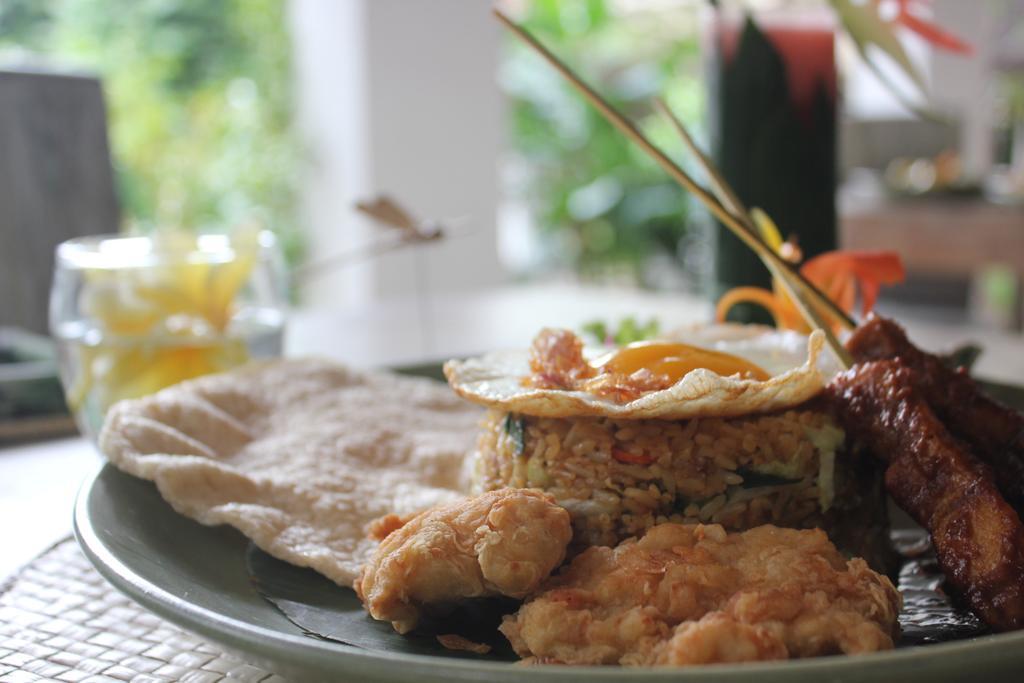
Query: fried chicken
{"points": [[936, 478], [504, 542], [692, 594]]}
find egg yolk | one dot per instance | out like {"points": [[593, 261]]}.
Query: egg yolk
{"points": [[676, 360]]}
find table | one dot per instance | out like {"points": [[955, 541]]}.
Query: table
{"points": [[953, 237], [38, 481], [939, 236]]}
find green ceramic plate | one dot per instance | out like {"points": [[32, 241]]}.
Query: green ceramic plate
{"points": [[196, 576]]}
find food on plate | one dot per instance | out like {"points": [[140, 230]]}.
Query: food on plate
{"points": [[453, 641], [299, 455], [557, 362], [666, 469], [507, 381], [995, 432], [938, 480], [717, 445], [500, 543], [695, 594]]}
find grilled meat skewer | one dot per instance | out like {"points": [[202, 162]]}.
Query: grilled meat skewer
{"points": [[995, 432], [935, 477]]}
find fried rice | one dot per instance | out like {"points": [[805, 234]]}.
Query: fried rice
{"points": [[619, 477]]}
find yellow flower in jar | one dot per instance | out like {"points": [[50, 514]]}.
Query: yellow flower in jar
{"points": [[163, 318]]}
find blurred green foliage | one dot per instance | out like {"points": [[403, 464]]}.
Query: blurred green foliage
{"points": [[604, 208], [629, 330], [199, 100]]}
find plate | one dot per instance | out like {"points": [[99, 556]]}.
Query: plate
{"points": [[196, 577]]}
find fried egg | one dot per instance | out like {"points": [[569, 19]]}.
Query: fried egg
{"points": [[794, 371]]}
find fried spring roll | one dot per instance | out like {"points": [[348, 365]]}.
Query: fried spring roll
{"points": [[995, 432], [978, 537]]}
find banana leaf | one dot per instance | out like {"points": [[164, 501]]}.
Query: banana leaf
{"points": [[323, 609]]}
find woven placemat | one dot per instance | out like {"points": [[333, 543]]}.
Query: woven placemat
{"points": [[61, 621]]}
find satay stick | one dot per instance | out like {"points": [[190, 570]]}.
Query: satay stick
{"points": [[750, 238]]}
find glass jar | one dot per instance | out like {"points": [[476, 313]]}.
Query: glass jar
{"points": [[132, 315]]}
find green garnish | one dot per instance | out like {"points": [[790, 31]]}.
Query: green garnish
{"points": [[629, 331], [515, 429], [597, 330], [753, 479]]}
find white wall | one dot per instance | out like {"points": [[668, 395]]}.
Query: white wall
{"points": [[399, 96]]}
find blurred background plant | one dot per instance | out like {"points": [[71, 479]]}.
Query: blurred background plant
{"points": [[600, 207], [199, 102]]}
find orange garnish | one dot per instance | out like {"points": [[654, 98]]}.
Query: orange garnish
{"points": [[786, 316], [838, 274]]}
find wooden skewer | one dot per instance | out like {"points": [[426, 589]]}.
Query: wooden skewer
{"points": [[725, 194], [722, 189], [751, 239], [728, 198]]}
